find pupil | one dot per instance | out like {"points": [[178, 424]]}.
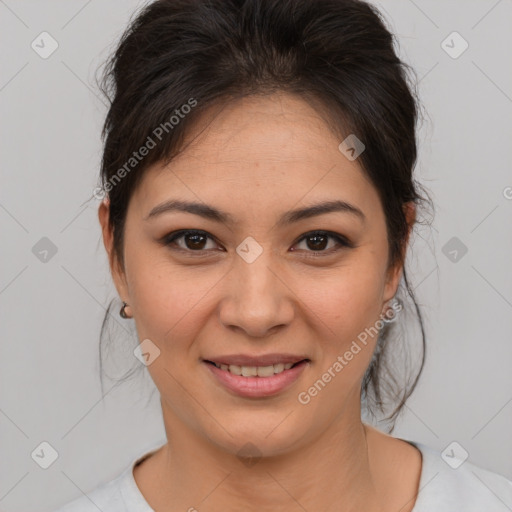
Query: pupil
{"points": [[317, 245], [195, 244]]}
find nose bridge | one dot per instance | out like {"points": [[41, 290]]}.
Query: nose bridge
{"points": [[255, 280]]}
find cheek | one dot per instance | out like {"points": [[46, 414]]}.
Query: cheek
{"points": [[167, 298], [173, 302], [347, 303], [346, 299]]}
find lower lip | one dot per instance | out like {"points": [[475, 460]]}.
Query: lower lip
{"points": [[257, 387]]}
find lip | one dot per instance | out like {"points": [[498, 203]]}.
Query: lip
{"points": [[257, 360], [257, 387]]}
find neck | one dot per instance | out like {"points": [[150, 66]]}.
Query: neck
{"points": [[333, 473]]}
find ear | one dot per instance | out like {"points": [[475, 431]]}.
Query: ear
{"points": [[395, 272], [117, 272]]}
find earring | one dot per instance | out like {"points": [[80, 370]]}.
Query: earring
{"points": [[122, 312], [391, 313]]}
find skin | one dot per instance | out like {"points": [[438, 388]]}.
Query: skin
{"points": [[258, 158]]}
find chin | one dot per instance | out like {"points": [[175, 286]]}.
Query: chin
{"points": [[260, 434]]}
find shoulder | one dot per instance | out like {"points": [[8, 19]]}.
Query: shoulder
{"points": [[107, 496], [449, 483], [120, 494]]}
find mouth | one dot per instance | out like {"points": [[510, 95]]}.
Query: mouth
{"points": [[256, 377], [256, 371]]}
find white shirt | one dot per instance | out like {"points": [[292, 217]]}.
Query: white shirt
{"points": [[468, 488]]}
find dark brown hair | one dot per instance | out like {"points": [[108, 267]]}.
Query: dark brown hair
{"points": [[337, 55]]}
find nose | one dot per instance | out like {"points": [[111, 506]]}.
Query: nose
{"points": [[257, 299]]}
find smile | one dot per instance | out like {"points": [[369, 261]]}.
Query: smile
{"points": [[256, 381], [255, 371]]}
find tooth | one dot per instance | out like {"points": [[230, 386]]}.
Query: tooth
{"points": [[255, 371], [265, 371], [249, 371], [237, 370]]}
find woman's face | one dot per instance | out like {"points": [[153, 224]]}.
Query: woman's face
{"points": [[257, 281]]}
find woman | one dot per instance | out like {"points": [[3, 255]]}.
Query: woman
{"points": [[259, 201]]}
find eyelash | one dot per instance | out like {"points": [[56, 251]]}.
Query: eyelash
{"points": [[176, 235]]}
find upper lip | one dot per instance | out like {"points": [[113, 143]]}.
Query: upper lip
{"points": [[259, 360]]}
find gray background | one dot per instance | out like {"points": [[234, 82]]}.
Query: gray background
{"points": [[51, 312]]}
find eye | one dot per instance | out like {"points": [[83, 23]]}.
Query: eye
{"points": [[317, 242], [192, 240]]}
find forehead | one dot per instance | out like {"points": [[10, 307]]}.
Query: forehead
{"points": [[279, 127], [260, 150]]}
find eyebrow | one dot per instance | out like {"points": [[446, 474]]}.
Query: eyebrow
{"points": [[211, 213]]}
